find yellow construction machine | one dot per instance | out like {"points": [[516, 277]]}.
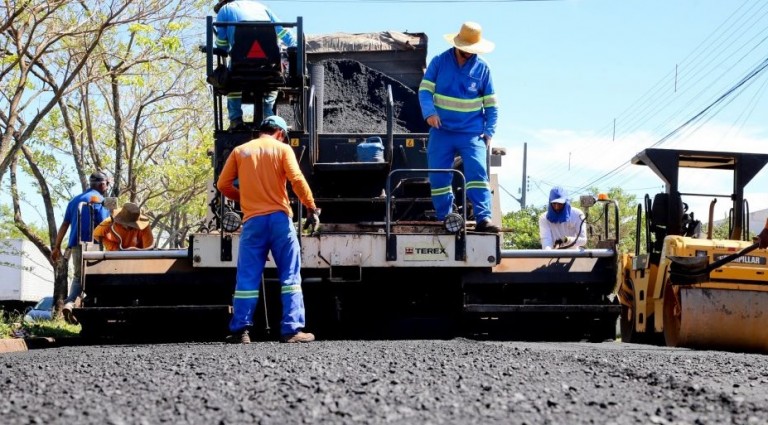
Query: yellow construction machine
{"points": [[688, 289]]}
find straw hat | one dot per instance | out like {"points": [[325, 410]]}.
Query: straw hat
{"points": [[130, 216], [470, 39]]}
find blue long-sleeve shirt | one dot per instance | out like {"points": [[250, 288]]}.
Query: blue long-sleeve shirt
{"points": [[247, 10], [463, 97], [85, 226]]}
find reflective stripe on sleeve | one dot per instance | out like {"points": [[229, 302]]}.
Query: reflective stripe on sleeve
{"points": [[427, 85], [489, 101]]}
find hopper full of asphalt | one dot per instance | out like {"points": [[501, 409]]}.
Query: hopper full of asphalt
{"points": [[417, 381], [355, 101]]}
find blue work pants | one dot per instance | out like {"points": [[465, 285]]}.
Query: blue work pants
{"points": [[441, 151], [261, 234], [235, 106]]}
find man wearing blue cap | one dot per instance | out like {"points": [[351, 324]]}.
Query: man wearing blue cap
{"points": [[84, 212], [263, 166], [562, 226]]}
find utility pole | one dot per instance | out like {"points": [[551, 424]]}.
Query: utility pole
{"points": [[524, 189], [525, 171]]}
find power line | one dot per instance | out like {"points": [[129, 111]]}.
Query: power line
{"points": [[701, 60], [760, 68]]}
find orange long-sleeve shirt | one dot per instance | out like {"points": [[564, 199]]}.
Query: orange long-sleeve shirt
{"points": [[263, 166], [111, 236]]}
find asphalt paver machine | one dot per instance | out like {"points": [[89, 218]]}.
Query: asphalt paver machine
{"points": [[380, 264]]}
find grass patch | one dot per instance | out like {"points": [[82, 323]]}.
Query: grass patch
{"points": [[52, 328], [12, 325]]}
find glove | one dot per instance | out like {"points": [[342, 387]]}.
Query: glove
{"points": [[313, 219], [558, 242], [762, 239]]}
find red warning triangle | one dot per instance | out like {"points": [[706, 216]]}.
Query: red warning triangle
{"points": [[256, 51]]}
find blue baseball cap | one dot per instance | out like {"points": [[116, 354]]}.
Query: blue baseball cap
{"points": [[276, 121], [558, 195]]}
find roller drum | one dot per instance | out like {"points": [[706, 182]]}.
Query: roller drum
{"points": [[710, 318]]}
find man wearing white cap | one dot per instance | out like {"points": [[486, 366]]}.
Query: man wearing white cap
{"points": [[262, 167], [458, 102], [562, 226]]}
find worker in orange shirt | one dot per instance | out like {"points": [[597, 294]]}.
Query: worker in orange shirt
{"points": [[127, 229], [262, 167]]}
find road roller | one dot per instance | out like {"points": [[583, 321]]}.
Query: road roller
{"points": [[686, 289]]}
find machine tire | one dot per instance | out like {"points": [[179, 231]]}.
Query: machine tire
{"points": [[672, 315], [629, 333], [627, 324]]}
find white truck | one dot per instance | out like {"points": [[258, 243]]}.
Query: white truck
{"points": [[26, 276]]}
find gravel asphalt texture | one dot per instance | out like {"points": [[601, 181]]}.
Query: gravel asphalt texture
{"points": [[355, 101], [406, 381]]}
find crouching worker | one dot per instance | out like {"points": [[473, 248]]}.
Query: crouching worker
{"points": [[262, 167], [127, 229], [562, 226]]}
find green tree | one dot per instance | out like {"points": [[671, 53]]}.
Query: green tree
{"points": [[121, 90], [524, 228], [627, 219]]}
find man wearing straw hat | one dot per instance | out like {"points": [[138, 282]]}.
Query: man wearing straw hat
{"points": [[128, 229], [459, 104]]}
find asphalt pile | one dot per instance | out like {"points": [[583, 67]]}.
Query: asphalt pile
{"points": [[412, 381], [355, 101]]}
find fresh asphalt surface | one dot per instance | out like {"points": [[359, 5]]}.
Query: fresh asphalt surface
{"points": [[407, 381]]}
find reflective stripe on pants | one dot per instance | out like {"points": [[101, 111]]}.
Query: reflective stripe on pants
{"points": [[261, 234]]}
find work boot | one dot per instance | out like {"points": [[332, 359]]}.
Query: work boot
{"points": [[67, 312], [298, 337], [239, 337], [236, 124], [486, 226]]}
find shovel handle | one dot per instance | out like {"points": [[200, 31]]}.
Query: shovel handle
{"points": [[729, 258]]}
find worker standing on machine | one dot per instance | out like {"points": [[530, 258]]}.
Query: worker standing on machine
{"points": [[562, 226], [128, 229], [246, 10], [459, 104], [262, 167]]}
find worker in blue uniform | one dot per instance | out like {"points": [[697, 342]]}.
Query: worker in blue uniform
{"points": [[458, 102], [246, 10]]}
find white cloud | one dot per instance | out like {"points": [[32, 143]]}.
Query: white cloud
{"points": [[575, 159]]}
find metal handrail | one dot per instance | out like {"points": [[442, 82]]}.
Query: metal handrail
{"points": [[138, 254], [559, 253], [388, 193]]}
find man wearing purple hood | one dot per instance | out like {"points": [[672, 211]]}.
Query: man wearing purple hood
{"points": [[562, 226]]}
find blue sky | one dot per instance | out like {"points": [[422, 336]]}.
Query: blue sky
{"points": [[564, 70]]}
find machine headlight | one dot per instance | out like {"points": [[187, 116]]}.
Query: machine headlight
{"points": [[230, 221], [453, 223]]}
